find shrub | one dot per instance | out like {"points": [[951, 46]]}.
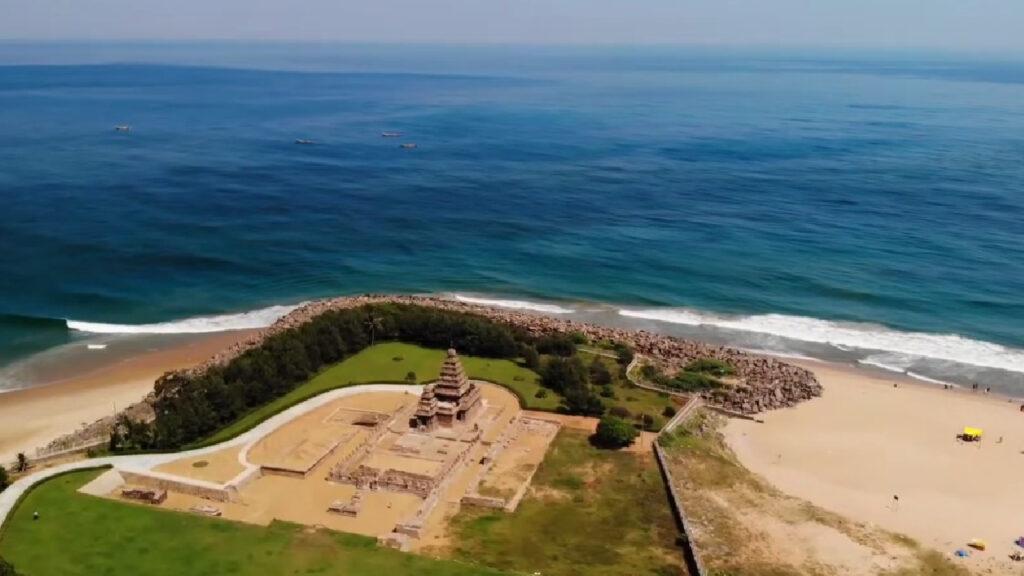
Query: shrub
{"points": [[694, 382], [668, 412], [410, 377], [7, 569], [624, 353], [711, 366], [620, 411], [607, 392], [614, 432], [541, 393]]}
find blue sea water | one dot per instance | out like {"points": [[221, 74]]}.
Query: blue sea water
{"points": [[862, 206]]}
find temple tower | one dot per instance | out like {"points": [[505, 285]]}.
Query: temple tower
{"points": [[450, 400]]}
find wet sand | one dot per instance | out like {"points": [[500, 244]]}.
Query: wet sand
{"points": [[866, 441], [32, 417]]}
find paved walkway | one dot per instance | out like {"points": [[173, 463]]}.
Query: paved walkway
{"points": [[145, 462]]}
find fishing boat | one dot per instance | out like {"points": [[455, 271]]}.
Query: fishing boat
{"points": [[408, 146], [122, 128]]}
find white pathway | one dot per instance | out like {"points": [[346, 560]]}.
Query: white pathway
{"points": [[145, 462]]}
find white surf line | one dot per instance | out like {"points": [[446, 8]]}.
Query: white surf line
{"points": [[144, 463]]}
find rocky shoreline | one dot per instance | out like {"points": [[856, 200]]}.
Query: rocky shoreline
{"points": [[764, 383]]}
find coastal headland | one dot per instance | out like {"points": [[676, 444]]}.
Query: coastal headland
{"points": [[765, 383]]}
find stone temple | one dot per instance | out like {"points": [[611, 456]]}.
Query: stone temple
{"points": [[450, 400]]}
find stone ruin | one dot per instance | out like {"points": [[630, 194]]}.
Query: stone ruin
{"points": [[350, 508], [368, 478], [147, 495], [450, 400]]}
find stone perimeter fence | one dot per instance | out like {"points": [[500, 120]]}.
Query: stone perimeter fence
{"points": [[690, 554]]}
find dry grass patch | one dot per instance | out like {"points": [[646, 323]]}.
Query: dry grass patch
{"points": [[744, 526]]}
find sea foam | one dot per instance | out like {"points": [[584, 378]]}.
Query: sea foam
{"points": [[513, 304], [849, 335], [200, 325]]}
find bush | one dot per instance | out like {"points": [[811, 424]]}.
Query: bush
{"points": [[647, 422], [710, 366], [410, 377], [694, 382], [7, 569], [607, 392], [578, 337], [620, 411], [614, 432], [541, 393], [668, 412]]}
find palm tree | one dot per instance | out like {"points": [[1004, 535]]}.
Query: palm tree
{"points": [[373, 324]]}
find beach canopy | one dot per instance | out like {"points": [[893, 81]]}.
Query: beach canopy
{"points": [[972, 432]]}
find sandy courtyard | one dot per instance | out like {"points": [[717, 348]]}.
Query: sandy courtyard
{"points": [[865, 442], [294, 468]]}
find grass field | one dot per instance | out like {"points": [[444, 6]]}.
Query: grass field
{"points": [[390, 362], [89, 536], [633, 398], [589, 511]]}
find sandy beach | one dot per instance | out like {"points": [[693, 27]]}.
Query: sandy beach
{"points": [[31, 417], [866, 441]]}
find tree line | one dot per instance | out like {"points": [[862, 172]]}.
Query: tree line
{"points": [[191, 407]]}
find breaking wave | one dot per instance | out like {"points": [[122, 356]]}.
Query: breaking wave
{"points": [[513, 304], [850, 335], [200, 325]]}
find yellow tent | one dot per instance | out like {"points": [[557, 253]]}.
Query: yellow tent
{"points": [[972, 433]]}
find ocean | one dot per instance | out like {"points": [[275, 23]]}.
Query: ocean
{"points": [[860, 207]]}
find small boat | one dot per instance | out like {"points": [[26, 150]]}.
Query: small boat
{"points": [[96, 346], [390, 134], [408, 146], [304, 142], [122, 128]]}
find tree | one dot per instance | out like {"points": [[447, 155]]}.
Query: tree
{"points": [[599, 374], [561, 374], [624, 353], [531, 358], [668, 412], [373, 324], [614, 432], [410, 377], [5, 481], [557, 344], [7, 569], [22, 462]]}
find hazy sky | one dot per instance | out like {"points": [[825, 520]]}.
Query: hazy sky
{"points": [[950, 24]]}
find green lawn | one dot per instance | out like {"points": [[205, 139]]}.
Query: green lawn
{"points": [[522, 381], [590, 511], [90, 536], [390, 362]]}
